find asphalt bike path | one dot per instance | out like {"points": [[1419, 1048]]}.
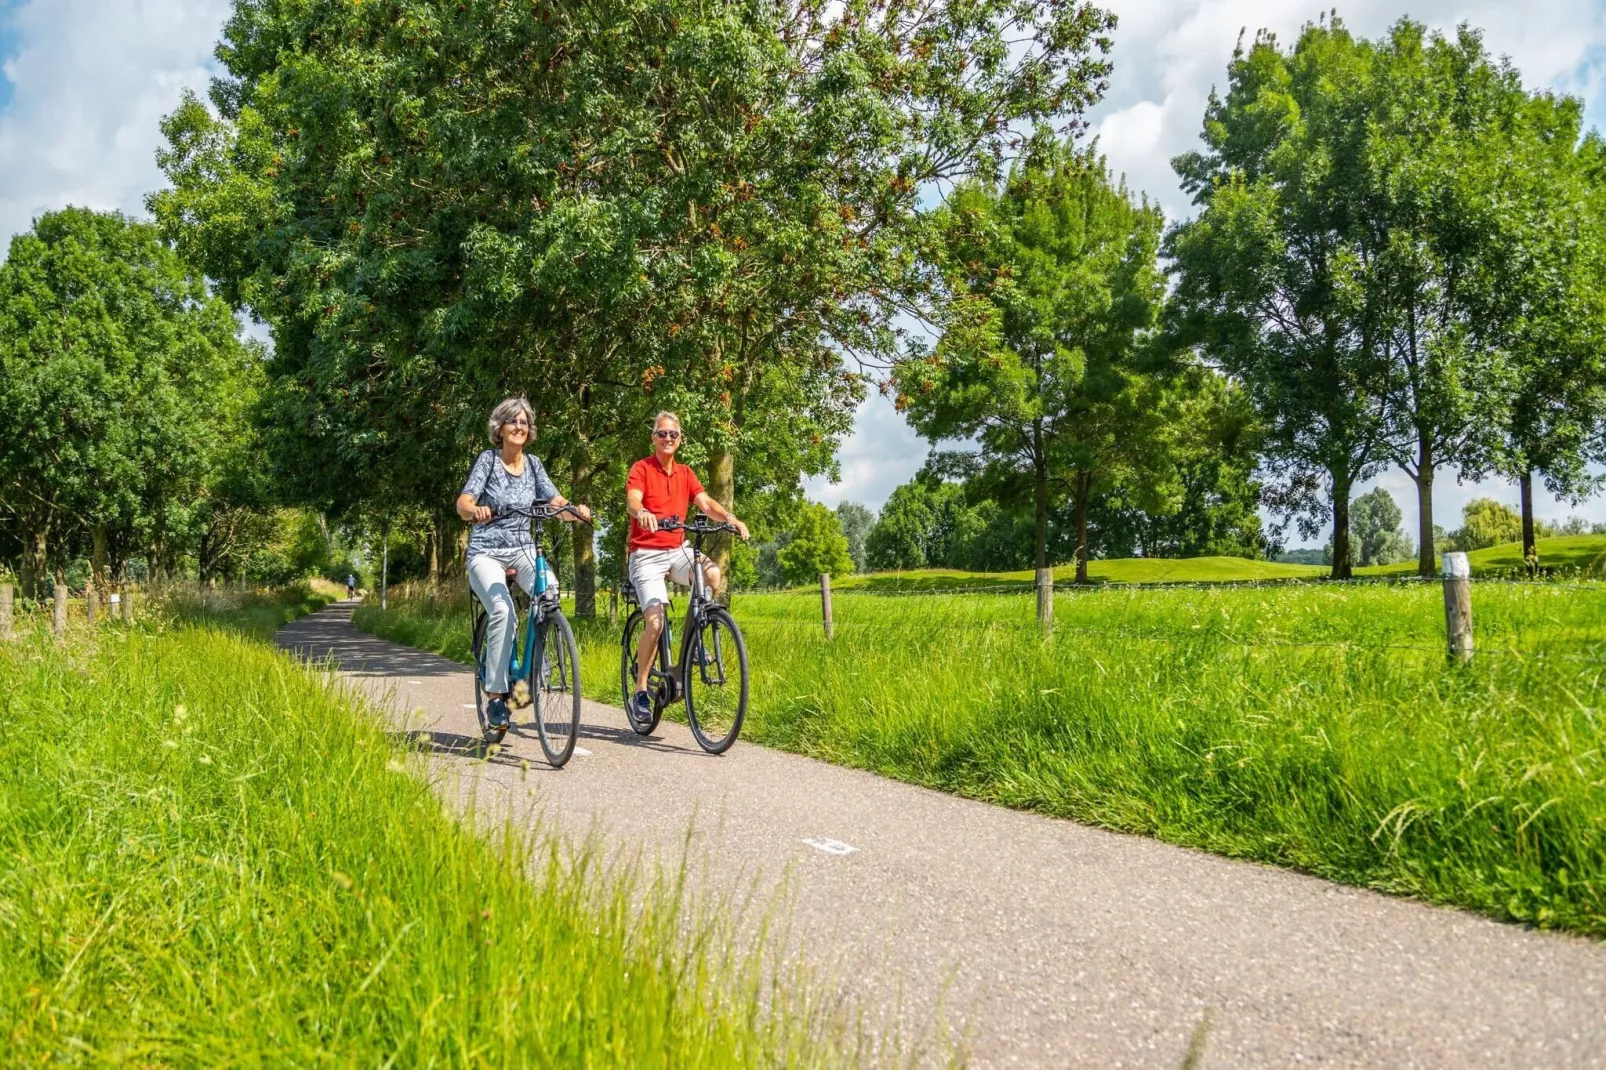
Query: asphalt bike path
{"points": [[1033, 941]]}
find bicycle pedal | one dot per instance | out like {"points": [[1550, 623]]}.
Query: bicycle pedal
{"points": [[520, 697]]}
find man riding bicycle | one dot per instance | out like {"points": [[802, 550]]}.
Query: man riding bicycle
{"points": [[656, 488], [503, 479]]}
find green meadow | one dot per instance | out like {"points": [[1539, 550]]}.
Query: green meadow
{"points": [[1311, 726], [212, 856]]}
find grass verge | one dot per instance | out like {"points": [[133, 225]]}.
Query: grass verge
{"points": [[1314, 727], [225, 863]]}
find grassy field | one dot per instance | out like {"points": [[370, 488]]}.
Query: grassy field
{"points": [[211, 858], [1309, 726], [1580, 554]]}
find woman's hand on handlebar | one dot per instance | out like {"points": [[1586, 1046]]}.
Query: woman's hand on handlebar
{"points": [[583, 512], [480, 514]]}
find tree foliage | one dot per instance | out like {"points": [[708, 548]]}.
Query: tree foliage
{"points": [[817, 545], [609, 207], [119, 380], [1054, 285]]}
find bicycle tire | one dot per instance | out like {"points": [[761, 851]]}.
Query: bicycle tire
{"points": [[714, 708], [629, 642], [557, 698], [487, 732]]}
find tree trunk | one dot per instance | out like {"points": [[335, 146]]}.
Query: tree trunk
{"points": [[1530, 548], [1084, 487], [581, 538], [1426, 563], [34, 572], [1341, 557], [722, 488], [432, 550], [100, 575]]}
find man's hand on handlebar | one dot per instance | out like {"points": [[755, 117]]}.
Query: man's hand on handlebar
{"points": [[645, 518]]}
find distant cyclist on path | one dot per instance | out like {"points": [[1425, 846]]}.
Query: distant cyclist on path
{"points": [[657, 488], [504, 478], [351, 586]]}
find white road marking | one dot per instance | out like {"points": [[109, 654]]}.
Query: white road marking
{"points": [[469, 706], [829, 846], [582, 752]]}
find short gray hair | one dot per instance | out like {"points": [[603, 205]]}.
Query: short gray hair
{"points": [[665, 415], [505, 412]]}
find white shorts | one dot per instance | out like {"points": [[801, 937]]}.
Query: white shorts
{"points": [[649, 568]]}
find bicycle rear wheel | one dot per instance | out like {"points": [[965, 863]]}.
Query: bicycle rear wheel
{"points": [[714, 668], [628, 645], [487, 733], [557, 692]]}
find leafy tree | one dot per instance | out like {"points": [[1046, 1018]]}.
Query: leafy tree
{"points": [[1486, 522], [817, 545], [1208, 443], [1054, 284], [435, 204], [115, 374], [856, 521], [1375, 520], [1271, 282]]}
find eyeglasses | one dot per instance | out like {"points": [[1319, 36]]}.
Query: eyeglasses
{"points": [[669, 435], [517, 422]]}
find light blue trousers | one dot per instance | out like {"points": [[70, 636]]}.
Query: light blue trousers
{"points": [[487, 575]]}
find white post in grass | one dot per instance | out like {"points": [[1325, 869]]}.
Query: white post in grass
{"points": [[1458, 606], [1045, 597], [384, 574], [6, 602], [825, 603]]}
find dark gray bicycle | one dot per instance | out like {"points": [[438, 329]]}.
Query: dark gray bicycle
{"points": [[711, 675]]}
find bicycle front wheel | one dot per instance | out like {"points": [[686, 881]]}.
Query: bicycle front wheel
{"points": [[714, 668], [557, 690]]}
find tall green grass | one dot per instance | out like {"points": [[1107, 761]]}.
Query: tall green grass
{"points": [[1316, 727], [209, 857]]}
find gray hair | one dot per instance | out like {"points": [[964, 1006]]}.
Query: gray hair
{"points": [[505, 412], [665, 415]]}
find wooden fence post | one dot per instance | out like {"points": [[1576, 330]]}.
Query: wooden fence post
{"points": [[1458, 606], [6, 597], [384, 574], [58, 624], [613, 605], [128, 605], [91, 602], [825, 603], [1045, 597]]}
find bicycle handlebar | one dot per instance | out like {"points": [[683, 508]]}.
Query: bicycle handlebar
{"points": [[699, 525], [539, 510]]}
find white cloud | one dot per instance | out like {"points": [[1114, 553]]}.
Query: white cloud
{"points": [[90, 80]]}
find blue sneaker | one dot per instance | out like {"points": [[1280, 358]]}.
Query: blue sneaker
{"points": [[641, 709], [496, 713]]}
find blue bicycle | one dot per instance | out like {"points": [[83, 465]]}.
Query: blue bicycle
{"points": [[544, 669]]}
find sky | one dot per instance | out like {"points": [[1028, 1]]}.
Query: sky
{"points": [[84, 83]]}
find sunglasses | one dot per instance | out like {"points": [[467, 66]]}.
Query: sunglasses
{"points": [[669, 435], [517, 422]]}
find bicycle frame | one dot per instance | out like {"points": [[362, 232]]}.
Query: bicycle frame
{"points": [[669, 669]]}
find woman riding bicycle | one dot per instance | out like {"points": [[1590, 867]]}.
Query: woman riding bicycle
{"points": [[503, 479]]}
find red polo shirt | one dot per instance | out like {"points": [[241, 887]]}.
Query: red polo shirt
{"points": [[663, 493]]}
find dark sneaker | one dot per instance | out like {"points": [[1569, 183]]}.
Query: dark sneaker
{"points": [[641, 708], [496, 713]]}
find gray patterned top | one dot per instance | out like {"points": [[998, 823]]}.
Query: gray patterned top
{"points": [[490, 483]]}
